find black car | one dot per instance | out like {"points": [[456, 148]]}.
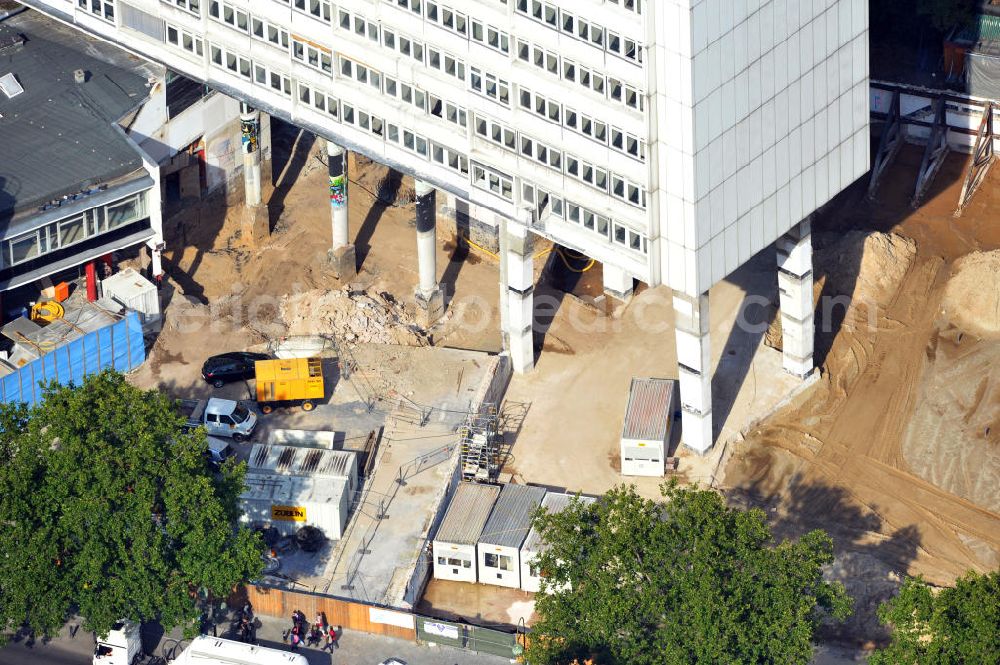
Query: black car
{"points": [[225, 367]]}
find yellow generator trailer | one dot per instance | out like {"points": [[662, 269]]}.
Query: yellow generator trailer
{"points": [[289, 380]]}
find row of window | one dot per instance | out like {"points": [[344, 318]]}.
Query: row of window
{"points": [[191, 6], [408, 94], [104, 9], [73, 230], [243, 67], [312, 55], [567, 23], [630, 5], [607, 86], [431, 56], [597, 177], [256, 27], [547, 204], [376, 126], [597, 130], [183, 39]]}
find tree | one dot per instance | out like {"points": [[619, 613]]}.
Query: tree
{"points": [[959, 624], [110, 510], [685, 580]]}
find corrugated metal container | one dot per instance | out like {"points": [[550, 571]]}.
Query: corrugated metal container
{"points": [[454, 544], [554, 502], [303, 461], [500, 543], [646, 430], [291, 502], [135, 292]]}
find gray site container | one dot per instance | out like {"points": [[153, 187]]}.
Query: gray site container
{"points": [[508, 526], [454, 543], [554, 502], [646, 429]]}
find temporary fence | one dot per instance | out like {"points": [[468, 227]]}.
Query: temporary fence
{"points": [[387, 622], [118, 346]]}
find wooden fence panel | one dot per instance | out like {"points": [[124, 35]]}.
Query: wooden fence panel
{"points": [[339, 612]]}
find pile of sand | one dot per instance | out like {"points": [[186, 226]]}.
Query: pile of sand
{"points": [[868, 267], [972, 295], [353, 316]]}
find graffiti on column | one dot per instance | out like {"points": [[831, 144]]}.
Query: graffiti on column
{"points": [[338, 193], [249, 129]]}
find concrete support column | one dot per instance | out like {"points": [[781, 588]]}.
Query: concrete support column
{"points": [[256, 223], [617, 283], [342, 253], [518, 292], [430, 299], [694, 365], [155, 258], [250, 131], [795, 293]]}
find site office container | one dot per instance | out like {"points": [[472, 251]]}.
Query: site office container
{"points": [[454, 544], [499, 549], [287, 380], [646, 429], [531, 576], [289, 503]]}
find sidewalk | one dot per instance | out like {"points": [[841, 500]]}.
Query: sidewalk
{"points": [[355, 648]]}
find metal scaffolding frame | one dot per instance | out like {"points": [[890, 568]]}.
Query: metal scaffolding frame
{"points": [[934, 154], [481, 445], [982, 159], [888, 146]]}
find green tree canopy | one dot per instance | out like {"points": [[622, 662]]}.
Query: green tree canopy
{"points": [[959, 624], [110, 510], [684, 580]]}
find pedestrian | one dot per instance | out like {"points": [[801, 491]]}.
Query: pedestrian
{"points": [[295, 638], [315, 636], [332, 638]]}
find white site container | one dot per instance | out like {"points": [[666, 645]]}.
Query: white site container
{"points": [[554, 502], [454, 544], [135, 292], [294, 460], [290, 502], [499, 546], [646, 430]]}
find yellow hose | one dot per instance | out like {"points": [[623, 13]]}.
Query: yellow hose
{"points": [[48, 311], [562, 255], [479, 247]]}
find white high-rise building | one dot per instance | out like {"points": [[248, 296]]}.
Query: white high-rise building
{"points": [[671, 140]]}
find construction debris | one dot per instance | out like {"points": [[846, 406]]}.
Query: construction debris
{"points": [[356, 317]]}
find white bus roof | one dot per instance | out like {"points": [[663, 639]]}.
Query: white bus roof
{"points": [[205, 650]]}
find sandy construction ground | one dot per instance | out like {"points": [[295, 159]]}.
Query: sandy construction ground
{"points": [[896, 450]]}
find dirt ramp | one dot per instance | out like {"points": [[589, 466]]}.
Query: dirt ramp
{"points": [[865, 266], [972, 295]]}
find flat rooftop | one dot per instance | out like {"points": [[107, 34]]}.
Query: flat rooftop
{"points": [[57, 135]]}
